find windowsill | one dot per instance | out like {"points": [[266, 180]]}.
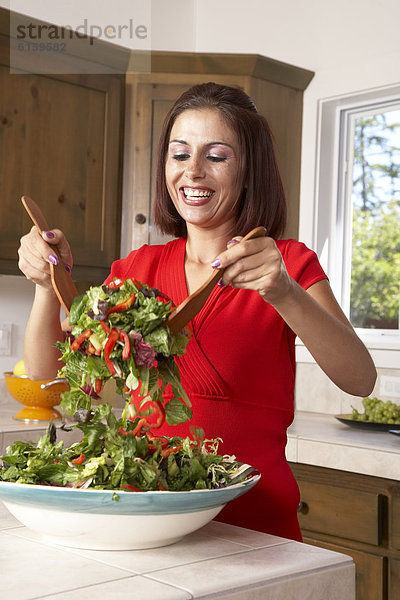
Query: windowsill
{"points": [[385, 354]]}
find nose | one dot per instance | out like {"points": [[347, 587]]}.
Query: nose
{"points": [[195, 167]]}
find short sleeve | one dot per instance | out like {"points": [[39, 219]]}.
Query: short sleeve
{"points": [[301, 263]]}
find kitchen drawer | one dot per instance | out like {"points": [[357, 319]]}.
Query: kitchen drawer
{"points": [[341, 512], [370, 571]]}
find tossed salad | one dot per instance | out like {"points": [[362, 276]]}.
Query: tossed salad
{"points": [[113, 456], [119, 332]]}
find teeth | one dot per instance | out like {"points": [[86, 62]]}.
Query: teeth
{"points": [[196, 193]]}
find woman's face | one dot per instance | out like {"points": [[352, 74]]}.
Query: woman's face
{"points": [[202, 169]]}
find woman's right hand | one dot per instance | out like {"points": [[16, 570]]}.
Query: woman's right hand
{"points": [[35, 255]]}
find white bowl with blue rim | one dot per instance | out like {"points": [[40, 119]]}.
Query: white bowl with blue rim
{"points": [[108, 520]]}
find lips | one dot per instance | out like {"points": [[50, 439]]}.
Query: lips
{"points": [[196, 196]]}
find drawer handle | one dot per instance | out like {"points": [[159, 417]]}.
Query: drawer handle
{"points": [[303, 507]]}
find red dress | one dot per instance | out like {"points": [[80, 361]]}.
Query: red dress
{"points": [[239, 372]]}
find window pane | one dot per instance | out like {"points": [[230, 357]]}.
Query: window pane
{"points": [[375, 268]]}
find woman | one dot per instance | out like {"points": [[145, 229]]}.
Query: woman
{"points": [[217, 179]]}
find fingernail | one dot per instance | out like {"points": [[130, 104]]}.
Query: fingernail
{"points": [[232, 242], [67, 268], [53, 259], [220, 283], [49, 234], [216, 263]]}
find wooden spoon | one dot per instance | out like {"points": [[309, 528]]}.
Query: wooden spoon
{"points": [[61, 280], [189, 308]]}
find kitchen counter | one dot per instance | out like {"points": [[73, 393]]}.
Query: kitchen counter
{"points": [[321, 440], [218, 561], [12, 430]]}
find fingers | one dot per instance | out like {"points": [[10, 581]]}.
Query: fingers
{"points": [[243, 256], [35, 254], [254, 264], [56, 237]]}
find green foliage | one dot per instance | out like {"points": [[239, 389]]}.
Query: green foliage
{"points": [[375, 275], [375, 280]]}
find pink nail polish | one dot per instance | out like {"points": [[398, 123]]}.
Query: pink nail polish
{"points": [[49, 234], [220, 283], [68, 268], [53, 259], [216, 263]]}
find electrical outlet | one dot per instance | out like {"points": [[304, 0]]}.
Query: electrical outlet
{"points": [[5, 339], [390, 386]]}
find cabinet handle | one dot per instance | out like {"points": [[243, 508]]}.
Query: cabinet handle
{"points": [[303, 507], [140, 219]]}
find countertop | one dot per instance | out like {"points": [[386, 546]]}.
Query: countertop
{"points": [[322, 440], [218, 561]]}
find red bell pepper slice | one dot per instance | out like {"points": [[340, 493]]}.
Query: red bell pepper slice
{"points": [[122, 305], [131, 488], [105, 327], [79, 460], [172, 449], [98, 385], [156, 442], [108, 347], [142, 421], [77, 343], [124, 337], [160, 412], [116, 283]]}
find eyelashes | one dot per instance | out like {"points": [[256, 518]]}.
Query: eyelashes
{"points": [[211, 157]]}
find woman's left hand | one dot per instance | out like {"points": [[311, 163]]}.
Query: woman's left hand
{"points": [[256, 265]]}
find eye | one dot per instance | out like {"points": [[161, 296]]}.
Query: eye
{"points": [[215, 158], [181, 156]]}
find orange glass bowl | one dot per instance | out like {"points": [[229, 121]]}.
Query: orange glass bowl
{"points": [[38, 402]]}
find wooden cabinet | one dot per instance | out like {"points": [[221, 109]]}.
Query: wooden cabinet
{"points": [[276, 88], [357, 515], [61, 144]]}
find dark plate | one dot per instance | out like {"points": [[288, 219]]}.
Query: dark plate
{"points": [[369, 425]]}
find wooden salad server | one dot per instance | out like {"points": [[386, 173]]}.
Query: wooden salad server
{"points": [[62, 282], [189, 308]]}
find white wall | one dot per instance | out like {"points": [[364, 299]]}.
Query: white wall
{"points": [[352, 45]]}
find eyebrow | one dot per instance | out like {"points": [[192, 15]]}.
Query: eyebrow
{"points": [[216, 143]]}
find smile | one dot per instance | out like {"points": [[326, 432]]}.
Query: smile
{"points": [[196, 196]]}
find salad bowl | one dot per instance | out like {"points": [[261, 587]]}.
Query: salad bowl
{"points": [[121, 520]]}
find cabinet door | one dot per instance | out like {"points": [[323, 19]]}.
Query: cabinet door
{"points": [[370, 571], [394, 579], [395, 519], [60, 143]]}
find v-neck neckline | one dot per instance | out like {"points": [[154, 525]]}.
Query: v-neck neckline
{"points": [[184, 293]]}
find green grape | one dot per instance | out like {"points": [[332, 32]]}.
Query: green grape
{"points": [[378, 411]]}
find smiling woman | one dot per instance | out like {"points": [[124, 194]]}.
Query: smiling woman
{"points": [[202, 169], [217, 180]]}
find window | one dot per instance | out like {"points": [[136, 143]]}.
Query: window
{"points": [[371, 216], [357, 216]]}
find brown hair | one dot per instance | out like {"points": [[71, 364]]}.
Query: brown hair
{"points": [[263, 200]]}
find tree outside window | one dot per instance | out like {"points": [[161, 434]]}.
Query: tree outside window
{"points": [[375, 246]]}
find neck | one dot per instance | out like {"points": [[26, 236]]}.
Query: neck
{"points": [[204, 245]]}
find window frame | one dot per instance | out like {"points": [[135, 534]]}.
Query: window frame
{"points": [[329, 226]]}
